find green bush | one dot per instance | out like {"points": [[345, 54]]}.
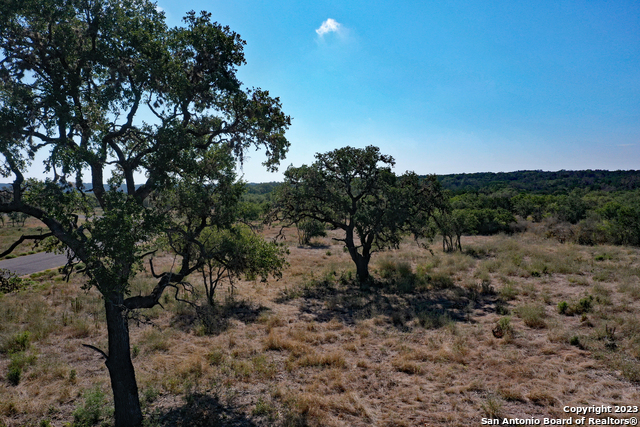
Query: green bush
{"points": [[562, 307], [584, 305], [14, 375], [9, 282], [308, 229], [441, 281], [19, 361], [503, 328], [93, 411], [18, 342]]}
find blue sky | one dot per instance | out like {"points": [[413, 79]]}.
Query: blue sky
{"points": [[446, 86]]}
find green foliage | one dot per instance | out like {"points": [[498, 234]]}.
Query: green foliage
{"points": [[503, 328], [433, 319], [14, 374], [16, 343], [266, 409], [308, 229], [231, 252], [10, 282], [582, 306], [93, 411], [354, 190], [18, 363], [76, 79], [562, 307], [541, 182]]}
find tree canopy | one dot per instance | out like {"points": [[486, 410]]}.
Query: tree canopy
{"points": [[355, 190], [106, 88]]}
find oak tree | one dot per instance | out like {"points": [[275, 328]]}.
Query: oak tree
{"points": [[105, 90], [355, 190]]}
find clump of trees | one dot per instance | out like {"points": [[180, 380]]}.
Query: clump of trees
{"points": [[107, 87], [605, 210], [355, 190]]}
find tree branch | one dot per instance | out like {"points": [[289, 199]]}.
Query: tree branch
{"points": [[22, 239], [102, 353]]}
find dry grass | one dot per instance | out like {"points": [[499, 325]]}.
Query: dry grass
{"points": [[441, 339], [10, 233]]}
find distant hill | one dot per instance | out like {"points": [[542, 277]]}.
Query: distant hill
{"points": [[541, 182]]}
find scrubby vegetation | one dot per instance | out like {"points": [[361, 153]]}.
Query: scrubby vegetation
{"points": [[514, 325]]}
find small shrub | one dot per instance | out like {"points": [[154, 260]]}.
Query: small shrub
{"points": [[580, 307], [584, 305], [487, 288], [18, 342], [533, 315], [150, 394], [502, 308], [508, 292], [10, 282], [503, 328], [19, 361], [14, 375], [433, 319], [93, 411], [441, 281], [308, 229], [562, 307]]}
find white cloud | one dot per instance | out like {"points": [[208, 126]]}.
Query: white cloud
{"points": [[328, 26]]}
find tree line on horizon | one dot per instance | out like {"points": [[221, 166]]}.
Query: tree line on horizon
{"points": [[586, 207]]}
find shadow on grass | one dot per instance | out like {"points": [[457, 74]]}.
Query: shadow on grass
{"points": [[431, 302], [215, 319], [314, 246], [202, 410]]}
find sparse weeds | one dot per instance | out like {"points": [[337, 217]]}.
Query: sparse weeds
{"points": [[533, 315], [156, 340], [492, 407], [322, 355], [265, 408], [433, 319]]}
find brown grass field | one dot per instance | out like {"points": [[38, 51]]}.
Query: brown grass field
{"points": [[515, 326]]}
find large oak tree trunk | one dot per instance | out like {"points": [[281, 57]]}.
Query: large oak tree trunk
{"points": [[123, 378], [361, 260], [362, 268]]}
